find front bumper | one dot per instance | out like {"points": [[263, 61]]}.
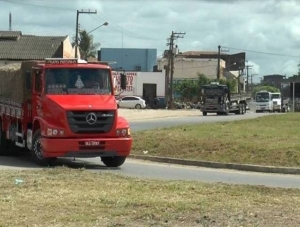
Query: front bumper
{"points": [[86, 147]]}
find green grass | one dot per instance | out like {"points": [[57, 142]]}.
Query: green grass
{"points": [[70, 197], [271, 140]]}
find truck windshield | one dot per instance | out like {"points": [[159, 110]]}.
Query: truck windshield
{"points": [[276, 96], [262, 97], [212, 91], [78, 81]]}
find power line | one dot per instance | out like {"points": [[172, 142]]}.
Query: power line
{"points": [[118, 27], [124, 31], [37, 5], [261, 52]]}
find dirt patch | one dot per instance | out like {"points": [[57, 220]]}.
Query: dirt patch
{"points": [[137, 115]]}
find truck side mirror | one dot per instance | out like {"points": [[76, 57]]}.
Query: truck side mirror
{"points": [[123, 81], [28, 80]]}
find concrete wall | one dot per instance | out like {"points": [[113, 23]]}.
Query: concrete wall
{"points": [[189, 68], [68, 50]]}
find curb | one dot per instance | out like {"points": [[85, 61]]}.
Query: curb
{"points": [[219, 165]]}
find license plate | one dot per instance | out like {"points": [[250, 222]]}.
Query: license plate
{"points": [[92, 143]]}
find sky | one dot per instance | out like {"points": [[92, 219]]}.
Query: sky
{"points": [[267, 31]]}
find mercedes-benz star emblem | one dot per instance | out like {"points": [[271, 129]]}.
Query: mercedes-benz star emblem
{"points": [[91, 118]]}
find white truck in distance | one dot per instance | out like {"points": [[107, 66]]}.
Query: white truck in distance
{"points": [[276, 98]]}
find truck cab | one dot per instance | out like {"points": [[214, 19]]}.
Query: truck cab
{"points": [[217, 98], [69, 110], [277, 101], [214, 99]]}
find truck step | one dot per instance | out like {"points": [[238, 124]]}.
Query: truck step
{"points": [[20, 136]]}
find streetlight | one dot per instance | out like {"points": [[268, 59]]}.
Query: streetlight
{"points": [[104, 24], [76, 35]]}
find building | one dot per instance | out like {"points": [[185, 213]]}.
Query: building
{"points": [[147, 85], [14, 47], [274, 80], [189, 68], [188, 65], [129, 59]]}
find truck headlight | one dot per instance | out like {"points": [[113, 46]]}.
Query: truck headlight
{"points": [[55, 132], [123, 132]]}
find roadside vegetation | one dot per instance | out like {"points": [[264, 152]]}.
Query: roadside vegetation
{"points": [[264, 88], [74, 197], [270, 140]]}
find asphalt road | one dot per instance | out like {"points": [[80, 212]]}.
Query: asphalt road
{"points": [[190, 120], [143, 169]]}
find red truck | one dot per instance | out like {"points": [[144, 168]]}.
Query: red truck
{"points": [[62, 108]]}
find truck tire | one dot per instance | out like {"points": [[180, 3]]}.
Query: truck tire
{"points": [[204, 113], [37, 152], [243, 108], [240, 111], [115, 161], [4, 143]]}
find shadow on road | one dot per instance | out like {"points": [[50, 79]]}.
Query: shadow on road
{"points": [[24, 161]]}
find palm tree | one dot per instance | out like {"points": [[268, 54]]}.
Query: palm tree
{"points": [[86, 45]]}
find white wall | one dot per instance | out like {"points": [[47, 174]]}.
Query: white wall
{"points": [[157, 78], [68, 50], [135, 81]]}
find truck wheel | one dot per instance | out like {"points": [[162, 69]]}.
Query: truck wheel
{"points": [[240, 111], [115, 161], [37, 152], [204, 113], [4, 143], [242, 108]]}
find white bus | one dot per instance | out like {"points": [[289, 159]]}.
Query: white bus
{"points": [[263, 100]]}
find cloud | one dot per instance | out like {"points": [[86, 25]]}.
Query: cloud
{"points": [[258, 28]]}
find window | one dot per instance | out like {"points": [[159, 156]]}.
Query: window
{"points": [[38, 81], [78, 81], [129, 98]]}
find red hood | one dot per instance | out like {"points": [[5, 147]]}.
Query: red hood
{"points": [[84, 102]]}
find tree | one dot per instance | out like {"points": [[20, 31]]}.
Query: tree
{"points": [[87, 47], [202, 79], [264, 88], [191, 88], [187, 88]]}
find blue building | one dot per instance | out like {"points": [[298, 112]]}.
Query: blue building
{"points": [[129, 59]]}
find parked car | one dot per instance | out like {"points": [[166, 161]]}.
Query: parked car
{"points": [[131, 102]]}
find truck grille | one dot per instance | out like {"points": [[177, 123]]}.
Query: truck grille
{"points": [[90, 122]]}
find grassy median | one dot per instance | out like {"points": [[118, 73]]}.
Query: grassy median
{"points": [[74, 197], [271, 140]]}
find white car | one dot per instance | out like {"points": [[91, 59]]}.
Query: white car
{"points": [[131, 102]]}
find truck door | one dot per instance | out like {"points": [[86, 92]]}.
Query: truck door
{"points": [[36, 92]]}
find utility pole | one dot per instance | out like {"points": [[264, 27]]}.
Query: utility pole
{"points": [[76, 35], [247, 71], [219, 60], [9, 21], [172, 53], [218, 69]]}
